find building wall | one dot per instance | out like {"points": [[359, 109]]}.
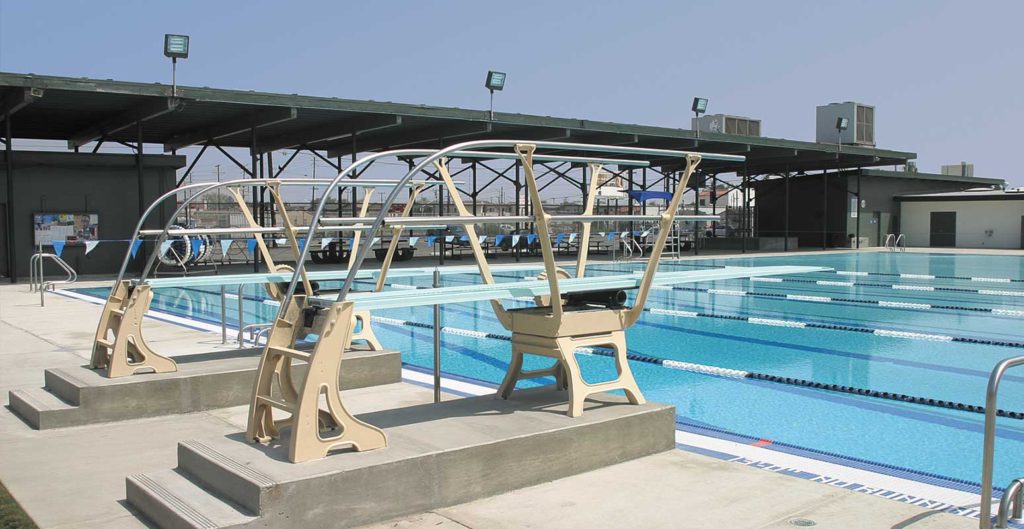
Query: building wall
{"points": [[67, 182], [879, 216], [979, 223]]}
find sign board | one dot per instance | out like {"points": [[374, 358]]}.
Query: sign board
{"points": [[72, 228]]}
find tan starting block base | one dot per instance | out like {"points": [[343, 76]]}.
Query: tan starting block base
{"points": [[77, 396], [438, 455]]}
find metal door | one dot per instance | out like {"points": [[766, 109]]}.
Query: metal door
{"points": [[943, 228]]}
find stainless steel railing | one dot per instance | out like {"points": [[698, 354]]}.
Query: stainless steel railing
{"points": [[1014, 494], [36, 270]]}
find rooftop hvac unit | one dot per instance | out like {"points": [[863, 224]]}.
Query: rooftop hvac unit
{"points": [[724, 124], [609, 185], [960, 169], [861, 130]]}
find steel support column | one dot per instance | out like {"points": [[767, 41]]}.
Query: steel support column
{"points": [[9, 163], [858, 209], [744, 186], [824, 216], [785, 222], [475, 191], [253, 173], [139, 175]]}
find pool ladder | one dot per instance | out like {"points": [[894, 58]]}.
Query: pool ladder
{"points": [[1012, 504], [37, 282], [895, 243]]}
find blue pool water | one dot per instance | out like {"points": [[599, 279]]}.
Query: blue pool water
{"points": [[924, 439]]}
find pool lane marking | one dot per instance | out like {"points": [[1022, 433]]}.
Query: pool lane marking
{"points": [[888, 333], [892, 286], [836, 470], [686, 439], [726, 372]]}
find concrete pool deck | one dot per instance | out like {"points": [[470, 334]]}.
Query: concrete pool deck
{"points": [[75, 477]]}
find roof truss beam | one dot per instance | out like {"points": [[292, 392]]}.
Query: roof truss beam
{"points": [[329, 132], [420, 137], [139, 113], [230, 127]]}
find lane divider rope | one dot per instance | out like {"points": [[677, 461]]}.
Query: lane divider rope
{"points": [[725, 372], [879, 302], [888, 274], [889, 333]]}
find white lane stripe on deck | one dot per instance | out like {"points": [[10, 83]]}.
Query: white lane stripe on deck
{"points": [[831, 473]]}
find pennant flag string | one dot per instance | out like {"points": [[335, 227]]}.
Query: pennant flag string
{"points": [[135, 248]]}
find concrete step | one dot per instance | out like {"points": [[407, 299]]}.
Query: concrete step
{"points": [[236, 481], [172, 501], [437, 455], [219, 379], [40, 408], [64, 384]]}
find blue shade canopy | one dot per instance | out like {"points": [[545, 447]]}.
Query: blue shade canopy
{"points": [[644, 196]]}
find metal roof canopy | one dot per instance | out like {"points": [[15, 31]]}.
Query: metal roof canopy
{"points": [[910, 175], [81, 111]]}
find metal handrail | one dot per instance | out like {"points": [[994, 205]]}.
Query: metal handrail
{"points": [[890, 237], [896, 245], [991, 405], [36, 273], [256, 331], [1012, 497]]}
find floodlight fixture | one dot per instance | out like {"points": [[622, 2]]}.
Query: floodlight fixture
{"points": [[495, 81], [699, 106], [842, 123], [175, 47]]}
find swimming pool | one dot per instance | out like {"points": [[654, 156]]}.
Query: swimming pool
{"points": [[930, 326]]}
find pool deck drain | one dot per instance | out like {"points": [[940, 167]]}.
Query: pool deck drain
{"points": [[64, 478]]}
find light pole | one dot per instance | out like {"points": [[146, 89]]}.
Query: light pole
{"points": [[841, 125], [495, 81], [175, 47]]}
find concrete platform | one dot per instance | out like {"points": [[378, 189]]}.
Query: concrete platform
{"points": [[73, 396], [438, 455]]}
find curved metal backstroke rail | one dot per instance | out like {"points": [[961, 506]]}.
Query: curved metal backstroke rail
{"points": [[119, 346], [988, 454], [318, 219], [486, 144]]}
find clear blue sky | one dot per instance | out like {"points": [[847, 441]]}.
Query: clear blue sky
{"points": [[945, 77]]}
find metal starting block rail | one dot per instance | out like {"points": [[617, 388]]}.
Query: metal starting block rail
{"points": [[550, 329], [119, 347]]}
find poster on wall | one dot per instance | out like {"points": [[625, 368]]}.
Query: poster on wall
{"points": [[71, 228]]}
